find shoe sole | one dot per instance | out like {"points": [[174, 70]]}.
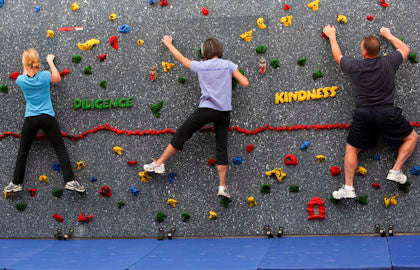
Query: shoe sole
{"points": [[396, 181], [73, 189], [13, 190], [345, 197], [227, 197]]}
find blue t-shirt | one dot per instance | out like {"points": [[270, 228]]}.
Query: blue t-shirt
{"points": [[36, 91], [215, 78]]}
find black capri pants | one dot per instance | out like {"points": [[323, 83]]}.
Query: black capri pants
{"points": [[200, 118]]}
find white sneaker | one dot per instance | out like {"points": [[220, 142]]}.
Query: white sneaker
{"points": [[344, 193], [397, 176], [74, 185], [12, 188], [153, 167], [223, 192]]}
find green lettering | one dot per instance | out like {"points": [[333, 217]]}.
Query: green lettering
{"points": [[98, 104], [77, 103], [106, 104], [114, 103], [121, 102], [84, 104], [129, 104]]}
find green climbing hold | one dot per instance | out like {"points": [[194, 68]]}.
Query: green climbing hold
{"points": [[362, 199], [76, 58], [182, 80], [4, 88], [235, 81], [265, 188], [275, 63], [333, 200], [155, 108], [120, 204], [160, 217], [317, 74], [21, 206], [199, 53], [402, 39], [413, 58], [261, 49], [88, 70], [185, 217], [302, 61], [225, 202], [293, 188], [404, 187], [102, 84], [57, 192]]}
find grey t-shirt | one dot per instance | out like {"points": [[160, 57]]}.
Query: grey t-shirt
{"points": [[373, 78]]}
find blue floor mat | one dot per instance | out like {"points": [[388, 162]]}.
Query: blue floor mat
{"points": [[405, 252]]}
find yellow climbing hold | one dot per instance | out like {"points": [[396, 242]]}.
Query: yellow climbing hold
{"points": [[260, 23], [145, 176], [314, 5], [247, 36], [118, 150], [140, 42], [112, 17], [8, 194], [43, 179], [320, 158], [278, 173], [50, 34], [74, 6], [392, 200], [286, 21], [252, 202], [88, 44], [172, 202], [213, 215], [167, 66], [341, 19], [361, 170], [81, 165]]}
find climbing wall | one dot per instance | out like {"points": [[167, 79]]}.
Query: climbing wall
{"points": [[275, 130]]}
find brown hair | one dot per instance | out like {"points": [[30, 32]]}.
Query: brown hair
{"points": [[211, 48], [371, 45], [30, 58]]}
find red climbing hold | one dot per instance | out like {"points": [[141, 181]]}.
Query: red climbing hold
{"points": [[370, 18], [163, 2], [205, 11], [14, 75], [324, 36], [32, 191], [249, 148], [132, 163], [290, 160], [105, 191], [376, 185], [335, 170], [82, 218], [211, 162], [65, 72], [102, 57], [113, 41], [286, 7], [316, 204], [383, 3], [57, 217]]}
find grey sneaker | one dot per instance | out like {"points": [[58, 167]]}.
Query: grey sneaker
{"points": [[223, 192], [153, 167], [12, 188], [344, 193], [397, 176], [76, 186]]}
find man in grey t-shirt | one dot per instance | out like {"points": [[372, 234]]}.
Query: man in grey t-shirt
{"points": [[375, 114]]}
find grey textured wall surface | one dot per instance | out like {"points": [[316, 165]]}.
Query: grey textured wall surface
{"points": [[127, 74]]}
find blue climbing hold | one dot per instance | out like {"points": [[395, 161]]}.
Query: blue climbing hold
{"points": [[134, 191], [37, 9], [171, 177], [56, 167], [305, 145], [1, 3], [125, 28], [376, 157], [152, 2], [93, 179], [237, 160], [415, 170]]}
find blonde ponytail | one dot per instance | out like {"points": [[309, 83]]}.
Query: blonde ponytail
{"points": [[30, 58]]}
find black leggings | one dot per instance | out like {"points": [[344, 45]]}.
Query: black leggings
{"points": [[200, 118], [30, 128]]}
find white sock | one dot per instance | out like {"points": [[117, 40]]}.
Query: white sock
{"points": [[348, 187], [395, 171]]}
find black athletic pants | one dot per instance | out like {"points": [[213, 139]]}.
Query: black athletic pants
{"points": [[200, 118], [30, 128]]}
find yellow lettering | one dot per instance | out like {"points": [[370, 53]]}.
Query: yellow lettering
{"points": [[301, 95], [333, 91], [311, 95], [293, 95], [325, 90], [279, 98], [319, 93]]}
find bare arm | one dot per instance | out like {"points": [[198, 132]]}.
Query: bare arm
{"points": [[398, 44], [178, 55], [241, 78], [55, 75], [330, 32]]}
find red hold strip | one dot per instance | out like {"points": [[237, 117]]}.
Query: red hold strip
{"points": [[335, 170], [290, 160], [63, 29]]}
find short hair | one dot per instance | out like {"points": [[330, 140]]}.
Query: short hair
{"points": [[372, 45], [30, 58], [211, 48]]}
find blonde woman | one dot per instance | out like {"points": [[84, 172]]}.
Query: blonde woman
{"points": [[39, 114]]}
